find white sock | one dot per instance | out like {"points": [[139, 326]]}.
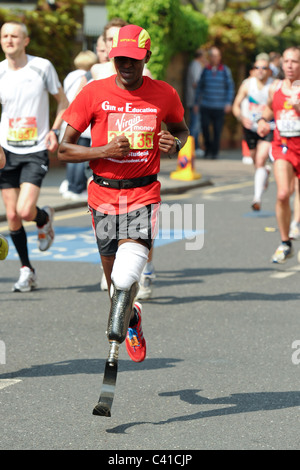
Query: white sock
{"points": [[129, 264], [260, 179], [149, 268]]}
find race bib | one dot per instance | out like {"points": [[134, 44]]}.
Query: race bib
{"points": [[288, 123], [22, 132], [138, 128], [255, 111]]}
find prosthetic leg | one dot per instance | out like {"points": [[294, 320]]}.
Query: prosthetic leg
{"points": [[119, 317]]}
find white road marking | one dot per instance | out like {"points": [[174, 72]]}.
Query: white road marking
{"points": [[5, 228], [283, 274], [8, 382], [229, 187]]}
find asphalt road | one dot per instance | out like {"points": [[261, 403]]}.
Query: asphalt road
{"points": [[222, 330]]}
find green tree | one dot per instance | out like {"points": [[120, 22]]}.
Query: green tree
{"points": [[236, 38], [279, 18], [173, 28], [52, 33]]}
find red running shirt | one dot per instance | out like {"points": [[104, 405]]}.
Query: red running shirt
{"points": [[138, 115], [287, 120]]}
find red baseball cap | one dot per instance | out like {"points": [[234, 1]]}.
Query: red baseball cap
{"points": [[131, 41]]}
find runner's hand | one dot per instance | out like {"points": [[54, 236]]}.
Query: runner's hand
{"points": [[118, 147], [263, 128], [166, 143], [51, 142]]}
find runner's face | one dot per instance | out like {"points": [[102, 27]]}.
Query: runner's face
{"points": [[261, 68], [102, 51], [291, 64], [13, 40], [129, 72]]}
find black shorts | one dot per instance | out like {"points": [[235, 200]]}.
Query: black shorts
{"points": [[252, 138], [140, 224], [28, 168]]}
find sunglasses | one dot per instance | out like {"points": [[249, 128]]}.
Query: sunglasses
{"points": [[262, 68]]}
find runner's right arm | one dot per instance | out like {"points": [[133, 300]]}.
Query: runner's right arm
{"points": [[70, 152], [236, 107]]}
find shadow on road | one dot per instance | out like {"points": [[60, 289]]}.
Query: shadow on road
{"points": [[234, 404], [88, 366]]}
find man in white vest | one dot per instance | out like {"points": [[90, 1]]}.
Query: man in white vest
{"points": [[25, 84]]}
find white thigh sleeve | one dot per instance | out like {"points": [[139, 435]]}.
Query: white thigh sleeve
{"points": [[129, 264]]}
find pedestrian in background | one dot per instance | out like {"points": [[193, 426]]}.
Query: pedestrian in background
{"points": [[192, 78], [214, 97]]}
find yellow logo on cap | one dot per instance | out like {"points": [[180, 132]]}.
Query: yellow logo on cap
{"points": [[127, 40], [143, 37]]}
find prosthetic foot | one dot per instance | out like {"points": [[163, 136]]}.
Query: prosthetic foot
{"points": [[119, 317]]}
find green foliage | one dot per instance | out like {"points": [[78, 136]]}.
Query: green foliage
{"points": [[52, 33], [236, 38], [289, 37], [193, 28], [173, 28]]}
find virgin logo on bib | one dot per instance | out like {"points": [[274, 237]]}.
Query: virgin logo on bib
{"points": [[138, 128]]}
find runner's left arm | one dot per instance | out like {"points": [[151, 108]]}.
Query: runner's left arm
{"points": [[62, 104], [167, 138]]}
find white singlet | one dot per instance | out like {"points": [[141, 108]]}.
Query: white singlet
{"points": [[257, 99], [25, 104]]}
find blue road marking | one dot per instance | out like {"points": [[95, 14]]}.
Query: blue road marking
{"points": [[78, 244], [258, 214]]}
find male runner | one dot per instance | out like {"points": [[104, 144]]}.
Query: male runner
{"points": [[255, 90], [284, 106], [25, 82], [126, 111], [105, 70]]}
